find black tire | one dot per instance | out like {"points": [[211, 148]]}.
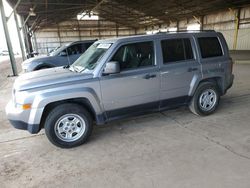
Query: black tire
{"points": [[196, 107], [66, 111]]}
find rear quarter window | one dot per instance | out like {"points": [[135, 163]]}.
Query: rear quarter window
{"points": [[210, 47]]}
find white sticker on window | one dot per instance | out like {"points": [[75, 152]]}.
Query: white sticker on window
{"points": [[104, 45]]}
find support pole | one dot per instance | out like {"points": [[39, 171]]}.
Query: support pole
{"points": [[178, 25], [7, 37], [29, 42], [99, 31], [79, 32], [236, 28], [35, 41], [202, 23], [24, 29], [19, 35], [116, 30], [58, 34]]}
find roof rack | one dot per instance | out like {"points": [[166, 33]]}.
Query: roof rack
{"points": [[184, 31]]}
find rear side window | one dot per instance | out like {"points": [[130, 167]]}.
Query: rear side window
{"points": [[174, 50], [210, 47]]}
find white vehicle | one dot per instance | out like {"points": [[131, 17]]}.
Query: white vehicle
{"points": [[4, 52]]}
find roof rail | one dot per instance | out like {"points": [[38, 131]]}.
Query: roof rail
{"points": [[185, 31]]}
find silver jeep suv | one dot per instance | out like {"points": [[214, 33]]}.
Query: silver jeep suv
{"points": [[120, 77]]}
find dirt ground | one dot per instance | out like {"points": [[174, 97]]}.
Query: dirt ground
{"points": [[170, 149]]}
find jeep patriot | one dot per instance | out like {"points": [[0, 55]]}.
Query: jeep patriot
{"points": [[121, 77]]}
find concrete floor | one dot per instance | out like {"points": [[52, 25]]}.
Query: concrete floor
{"points": [[170, 149]]}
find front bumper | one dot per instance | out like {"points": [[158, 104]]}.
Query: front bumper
{"points": [[18, 118], [32, 128]]}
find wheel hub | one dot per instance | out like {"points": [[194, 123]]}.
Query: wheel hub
{"points": [[70, 127], [207, 100]]}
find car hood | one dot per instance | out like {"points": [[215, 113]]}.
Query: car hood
{"points": [[48, 77]]}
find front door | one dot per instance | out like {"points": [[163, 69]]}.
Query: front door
{"points": [[136, 87]]}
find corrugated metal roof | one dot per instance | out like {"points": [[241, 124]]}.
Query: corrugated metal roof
{"points": [[132, 13]]}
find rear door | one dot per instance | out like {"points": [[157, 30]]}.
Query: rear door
{"points": [[136, 87], [179, 66], [215, 59]]}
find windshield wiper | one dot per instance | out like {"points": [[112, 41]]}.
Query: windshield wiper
{"points": [[66, 66], [76, 68]]}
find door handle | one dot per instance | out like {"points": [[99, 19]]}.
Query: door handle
{"points": [[192, 69], [148, 76]]}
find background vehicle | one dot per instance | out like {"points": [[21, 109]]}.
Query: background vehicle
{"points": [[121, 77], [4, 52], [65, 55]]}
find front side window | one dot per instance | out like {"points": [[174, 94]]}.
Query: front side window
{"points": [[136, 55], [74, 49], [174, 50], [210, 47]]}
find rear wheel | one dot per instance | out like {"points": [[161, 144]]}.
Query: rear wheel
{"points": [[205, 100], [68, 125]]}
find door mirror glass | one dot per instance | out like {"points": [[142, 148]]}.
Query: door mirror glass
{"points": [[112, 67]]}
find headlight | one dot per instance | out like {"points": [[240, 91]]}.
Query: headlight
{"points": [[25, 67], [23, 106], [13, 96], [26, 106]]}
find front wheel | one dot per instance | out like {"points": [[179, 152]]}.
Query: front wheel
{"points": [[68, 125], [205, 100]]}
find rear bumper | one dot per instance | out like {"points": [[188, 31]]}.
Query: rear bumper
{"points": [[231, 82]]}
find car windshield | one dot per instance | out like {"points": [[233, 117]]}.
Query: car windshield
{"points": [[89, 59], [54, 51], [58, 49]]}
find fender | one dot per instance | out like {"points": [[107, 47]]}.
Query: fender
{"points": [[194, 83], [40, 101], [40, 65], [217, 78]]}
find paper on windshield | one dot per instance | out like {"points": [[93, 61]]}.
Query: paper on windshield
{"points": [[104, 45]]}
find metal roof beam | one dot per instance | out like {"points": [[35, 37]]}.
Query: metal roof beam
{"points": [[14, 9]]}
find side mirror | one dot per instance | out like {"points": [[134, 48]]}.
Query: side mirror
{"points": [[62, 53], [112, 67]]}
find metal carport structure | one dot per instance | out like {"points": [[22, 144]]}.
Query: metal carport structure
{"points": [[37, 14]]}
